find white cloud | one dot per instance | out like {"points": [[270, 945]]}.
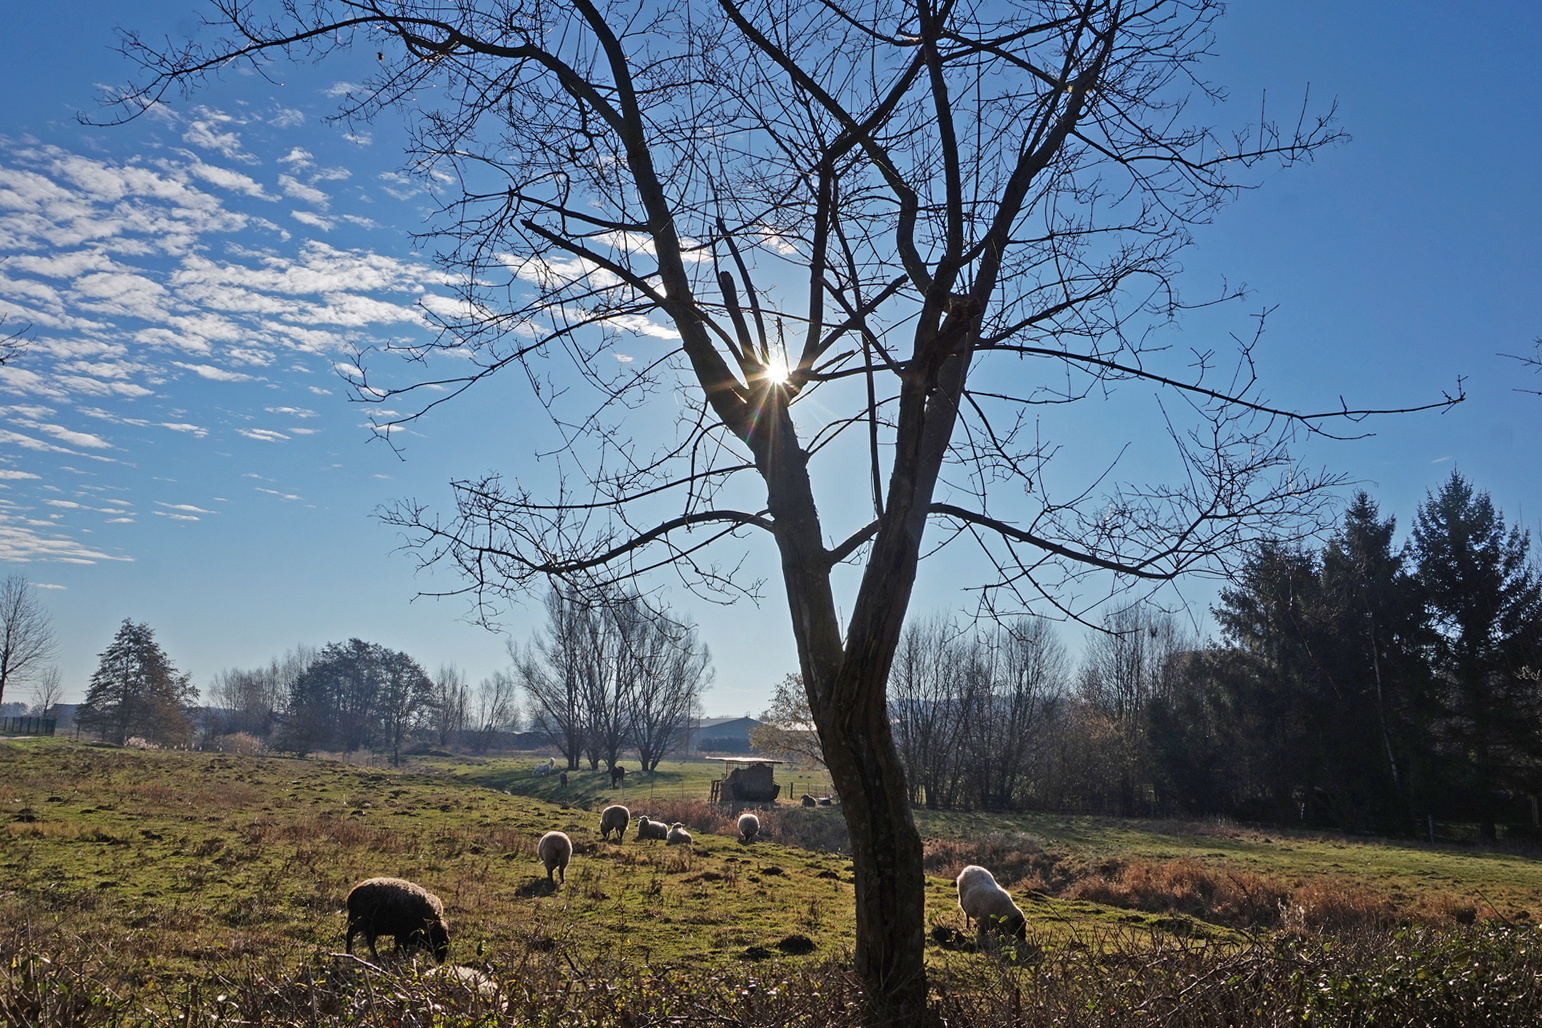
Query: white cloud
{"points": [[263, 435], [298, 190], [313, 220], [297, 158], [197, 431], [187, 508], [214, 374], [12, 474]]}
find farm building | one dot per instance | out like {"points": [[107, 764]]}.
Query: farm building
{"points": [[721, 735]]}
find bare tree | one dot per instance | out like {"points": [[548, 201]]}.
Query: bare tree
{"points": [[497, 707], [934, 217], [672, 669], [47, 690], [255, 698], [1127, 666], [550, 669], [450, 703], [26, 633], [925, 699], [1018, 673]]}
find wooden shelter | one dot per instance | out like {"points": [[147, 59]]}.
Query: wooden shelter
{"points": [[746, 780]]}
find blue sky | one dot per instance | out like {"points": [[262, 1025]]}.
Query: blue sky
{"points": [[176, 446]]}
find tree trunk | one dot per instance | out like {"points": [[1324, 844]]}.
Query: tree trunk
{"points": [[886, 855]]}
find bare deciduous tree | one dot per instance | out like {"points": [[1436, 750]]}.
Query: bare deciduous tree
{"points": [[47, 690], [672, 669], [871, 235], [26, 633], [497, 707]]}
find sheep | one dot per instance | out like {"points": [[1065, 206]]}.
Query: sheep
{"points": [[555, 850], [615, 818], [809, 801], [678, 836], [647, 829], [749, 827], [617, 776], [562, 779], [399, 908], [988, 903]]}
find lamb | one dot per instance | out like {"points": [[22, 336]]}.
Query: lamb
{"points": [[399, 908], [555, 850], [988, 903], [647, 829], [749, 827], [678, 836], [615, 818]]}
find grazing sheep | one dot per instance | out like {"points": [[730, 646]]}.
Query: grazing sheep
{"points": [[988, 903], [749, 827], [399, 908], [555, 850], [562, 779], [809, 801], [647, 829], [615, 818], [678, 836], [617, 776]]}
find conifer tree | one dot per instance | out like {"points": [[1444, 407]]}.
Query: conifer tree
{"points": [[136, 691]]}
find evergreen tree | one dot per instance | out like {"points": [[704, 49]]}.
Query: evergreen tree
{"points": [[137, 692], [1372, 651], [1485, 597]]}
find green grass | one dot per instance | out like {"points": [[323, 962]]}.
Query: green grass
{"points": [[161, 870]]}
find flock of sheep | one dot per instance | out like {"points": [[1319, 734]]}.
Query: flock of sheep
{"points": [[414, 917]]}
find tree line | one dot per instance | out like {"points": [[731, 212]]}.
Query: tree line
{"points": [[1362, 685], [608, 675]]}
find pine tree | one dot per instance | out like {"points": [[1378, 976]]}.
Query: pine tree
{"points": [[136, 691], [1485, 597]]}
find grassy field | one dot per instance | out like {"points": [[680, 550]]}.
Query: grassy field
{"points": [[162, 870]]}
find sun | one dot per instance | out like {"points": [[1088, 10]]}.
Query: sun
{"points": [[777, 371]]}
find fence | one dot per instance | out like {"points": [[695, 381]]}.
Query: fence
{"points": [[26, 726]]}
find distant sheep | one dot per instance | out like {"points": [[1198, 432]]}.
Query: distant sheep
{"points": [[615, 818], [617, 776], [647, 829], [809, 801], [399, 908], [678, 836], [749, 827], [981, 898], [555, 850], [562, 779]]}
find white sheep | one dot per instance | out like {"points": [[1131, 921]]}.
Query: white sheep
{"points": [[555, 850], [615, 818], [648, 829], [678, 836], [981, 898], [749, 827]]}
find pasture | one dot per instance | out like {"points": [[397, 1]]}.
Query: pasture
{"points": [[152, 881]]}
